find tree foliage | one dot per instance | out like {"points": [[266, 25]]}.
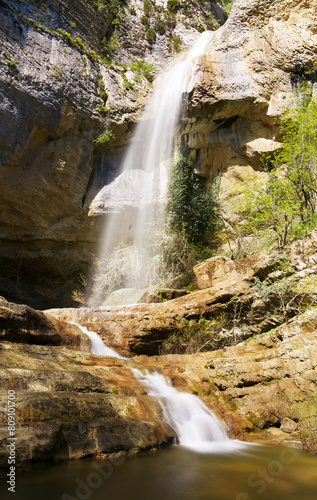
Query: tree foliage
{"points": [[299, 154], [191, 208], [287, 201]]}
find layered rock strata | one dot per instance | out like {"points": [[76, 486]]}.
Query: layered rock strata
{"points": [[70, 404], [65, 80], [263, 389]]}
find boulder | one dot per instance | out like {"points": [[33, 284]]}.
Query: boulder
{"points": [[22, 324], [222, 272]]}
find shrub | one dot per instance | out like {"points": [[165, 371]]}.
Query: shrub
{"points": [[141, 67], [147, 7], [177, 43], [160, 27], [227, 4], [170, 19], [173, 5], [145, 21], [103, 110], [150, 36], [102, 91], [191, 208], [111, 45], [128, 85], [105, 137], [12, 64]]}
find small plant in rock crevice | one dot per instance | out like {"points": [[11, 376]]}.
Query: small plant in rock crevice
{"points": [[105, 137], [11, 63]]}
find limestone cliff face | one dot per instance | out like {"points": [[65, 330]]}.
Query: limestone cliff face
{"points": [[240, 86], [57, 95]]}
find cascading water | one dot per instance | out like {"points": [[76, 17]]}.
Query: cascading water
{"points": [[97, 345], [195, 425], [134, 202]]}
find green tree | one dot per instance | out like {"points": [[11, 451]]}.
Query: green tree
{"points": [[270, 206], [299, 153], [191, 208], [287, 201]]}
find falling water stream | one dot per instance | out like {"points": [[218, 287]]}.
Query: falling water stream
{"points": [[195, 425], [134, 201], [223, 469]]}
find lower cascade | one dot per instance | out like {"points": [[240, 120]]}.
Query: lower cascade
{"points": [[195, 425]]}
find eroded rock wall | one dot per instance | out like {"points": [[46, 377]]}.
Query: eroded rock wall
{"points": [[247, 76], [57, 95]]}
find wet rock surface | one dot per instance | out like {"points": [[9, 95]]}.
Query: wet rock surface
{"points": [[71, 405], [264, 389]]}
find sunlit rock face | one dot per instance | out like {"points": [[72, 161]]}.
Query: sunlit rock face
{"points": [[50, 167], [245, 79]]}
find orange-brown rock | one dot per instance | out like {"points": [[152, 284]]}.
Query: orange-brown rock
{"points": [[264, 388], [22, 324], [72, 404], [222, 272]]}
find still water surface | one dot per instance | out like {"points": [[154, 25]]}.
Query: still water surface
{"points": [[176, 473]]}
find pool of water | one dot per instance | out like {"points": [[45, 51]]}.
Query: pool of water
{"points": [[176, 473]]}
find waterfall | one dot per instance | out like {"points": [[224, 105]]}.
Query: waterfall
{"points": [[97, 345], [195, 425], [134, 201]]}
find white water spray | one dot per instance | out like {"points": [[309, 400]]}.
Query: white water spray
{"points": [[195, 425], [134, 202]]}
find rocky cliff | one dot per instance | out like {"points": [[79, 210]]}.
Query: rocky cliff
{"points": [[68, 73], [68, 77], [249, 73]]}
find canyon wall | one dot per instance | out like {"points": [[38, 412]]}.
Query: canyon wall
{"points": [[65, 78]]}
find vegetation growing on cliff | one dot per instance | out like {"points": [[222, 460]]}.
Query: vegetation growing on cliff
{"points": [[227, 4], [284, 206], [191, 221], [191, 208]]}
